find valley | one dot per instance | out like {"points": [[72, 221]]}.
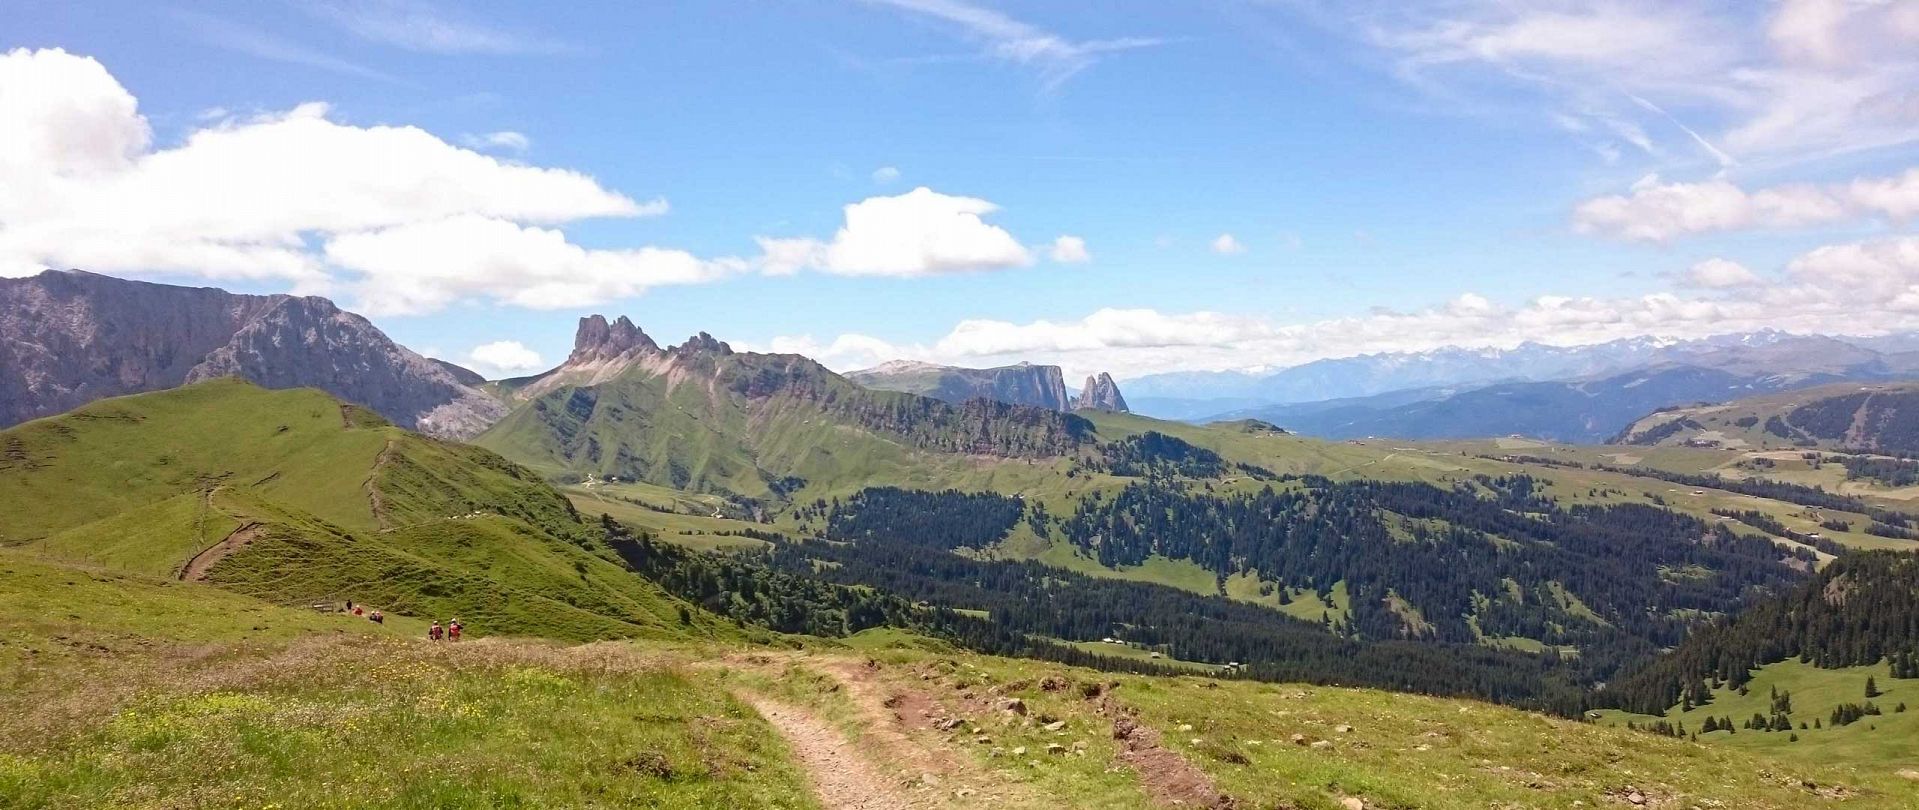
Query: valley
{"points": [[700, 518]]}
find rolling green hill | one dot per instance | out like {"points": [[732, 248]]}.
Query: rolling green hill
{"points": [[1843, 416], [293, 497]]}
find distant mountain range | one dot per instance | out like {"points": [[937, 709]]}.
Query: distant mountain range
{"points": [[1019, 384], [1467, 393], [1202, 394], [68, 338]]}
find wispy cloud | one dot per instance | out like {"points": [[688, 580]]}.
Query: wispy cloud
{"points": [[1002, 37], [1729, 84], [417, 25], [504, 140], [253, 42]]}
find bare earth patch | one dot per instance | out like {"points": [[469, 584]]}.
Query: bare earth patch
{"points": [[196, 568], [840, 777]]}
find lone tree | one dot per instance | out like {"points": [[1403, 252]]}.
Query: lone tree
{"points": [[1872, 687]]}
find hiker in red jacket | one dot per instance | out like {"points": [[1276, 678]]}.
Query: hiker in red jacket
{"points": [[435, 631], [453, 629]]}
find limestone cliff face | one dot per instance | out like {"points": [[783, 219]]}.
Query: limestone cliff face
{"points": [[1100, 393], [1020, 384], [68, 338]]}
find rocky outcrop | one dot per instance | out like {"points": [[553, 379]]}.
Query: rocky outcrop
{"points": [[1020, 384], [68, 338], [1100, 393], [596, 340]]}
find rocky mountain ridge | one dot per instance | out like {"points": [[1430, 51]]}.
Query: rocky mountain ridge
{"points": [[70, 337], [1038, 386]]}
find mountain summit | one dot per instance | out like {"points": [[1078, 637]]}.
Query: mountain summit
{"points": [[1100, 393], [70, 337]]}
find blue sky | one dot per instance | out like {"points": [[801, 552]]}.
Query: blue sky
{"points": [[1395, 176]]}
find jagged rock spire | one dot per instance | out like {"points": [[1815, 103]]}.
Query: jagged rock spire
{"points": [[1100, 393], [598, 340]]}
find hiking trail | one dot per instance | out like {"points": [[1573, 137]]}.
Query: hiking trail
{"points": [[197, 567]]}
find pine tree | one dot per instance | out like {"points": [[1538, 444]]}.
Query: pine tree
{"points": [[1872, 687]]}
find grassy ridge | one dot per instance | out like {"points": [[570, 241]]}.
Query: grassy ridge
{"points": [[339, 507], [125, 691]]}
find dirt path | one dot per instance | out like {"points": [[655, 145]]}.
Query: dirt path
{"points": [[1169, 778], [842, 779], [196, 568], [374, 498]]}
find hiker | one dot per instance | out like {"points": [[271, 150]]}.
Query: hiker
{"points": [[435, 631], [377, 617], [359, 611], [453, 629], [349, 607]]}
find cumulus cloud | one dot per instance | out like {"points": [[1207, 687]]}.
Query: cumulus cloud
{"points": [[1720, 274], [1069, 250], [1227, 245], [919, 233], [1868, 287], [1657, 211], [407, 221], [424, 266], [504, 358]]}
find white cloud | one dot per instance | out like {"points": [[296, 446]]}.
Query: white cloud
{"points": [[1069, 250], [1720, 274], [505, 140], [1007, 39], [885, 174], [409, 221], [504, 358], [1862, 288], [1656, 211], [421, 267], [1227, 245], [919, 233]]}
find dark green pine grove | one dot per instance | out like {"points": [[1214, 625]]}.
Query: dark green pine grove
{"points": [[1459, 555], [1861, 609]]}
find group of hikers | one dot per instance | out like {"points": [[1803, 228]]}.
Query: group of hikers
{"points": [[438, 632], [375, 617]]}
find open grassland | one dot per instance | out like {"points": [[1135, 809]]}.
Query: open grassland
{"points": [[1275, 745], [1885, 742], [126, 692]]}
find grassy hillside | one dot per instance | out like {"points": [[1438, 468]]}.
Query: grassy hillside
{"points": [[295, 498], [1886, 743], [1861, 416], [120, 690]]}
